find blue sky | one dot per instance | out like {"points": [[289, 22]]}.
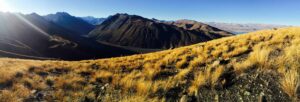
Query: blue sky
{"points": [[232, 11]]}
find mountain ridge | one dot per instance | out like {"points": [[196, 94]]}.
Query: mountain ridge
{"points": [[70, 22], [50, 40], [137, 31], [236, 28]]}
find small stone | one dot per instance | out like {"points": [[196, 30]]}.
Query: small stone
{"points": [[262, 93], [33, 91], [184, 98], [247, 93], [241, 99]]}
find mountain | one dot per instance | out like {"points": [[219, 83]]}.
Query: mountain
{"points": [[192, 25], [71, 23], [92, 20], [32, 36], [261, 66], [139, 32], [243, 28]]}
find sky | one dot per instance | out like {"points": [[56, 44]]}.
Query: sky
{"points": [[284, 12]]}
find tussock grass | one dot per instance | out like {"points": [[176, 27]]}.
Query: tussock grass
{"points": [[290, 82], [161, 76]]}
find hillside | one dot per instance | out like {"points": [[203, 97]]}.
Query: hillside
{"points": [[140, 32], [243, 28], [71, 23], [260, 66], [208, 30], [33, 37]]}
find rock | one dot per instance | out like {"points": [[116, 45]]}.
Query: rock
{"points": [[184, 98], [33, 91], [247, 93], [241, 99], [105, 86], [102, 88]]}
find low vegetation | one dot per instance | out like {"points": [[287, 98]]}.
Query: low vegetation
{"points": [[259, 66]]}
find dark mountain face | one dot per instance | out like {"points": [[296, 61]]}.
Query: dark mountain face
{"points": [[32, 36], [93, 20], [136, 31], [16, 36], [71, 23]]}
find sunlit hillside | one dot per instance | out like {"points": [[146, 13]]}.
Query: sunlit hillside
{"points": [[259, 66]]}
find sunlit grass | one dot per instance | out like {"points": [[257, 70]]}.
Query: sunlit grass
{"points": [[151, 77]]}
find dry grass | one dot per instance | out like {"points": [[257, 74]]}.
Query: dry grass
{"points": [[290, 62], [290, 82], [151, 77], [200, 80]]}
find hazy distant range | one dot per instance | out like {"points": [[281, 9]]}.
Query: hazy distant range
{"points": [[235, 28], [243, 28]]}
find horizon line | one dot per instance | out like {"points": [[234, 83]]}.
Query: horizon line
{"points": [[249, 23]]}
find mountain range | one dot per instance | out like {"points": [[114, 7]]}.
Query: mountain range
{"points": [[140, 32], [235, 28], [66, 37], [60, 57], [32, 36], [243, 28], [71, 23]]}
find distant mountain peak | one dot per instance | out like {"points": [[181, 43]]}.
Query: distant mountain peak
{"points": [[119, 16], [187, 21], [92, 20], [90, 17], [128, 15], [63, 13], [34, 14], [70, 22]]}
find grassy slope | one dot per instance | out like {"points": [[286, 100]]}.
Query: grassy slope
{"points": [[261, 65]]}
